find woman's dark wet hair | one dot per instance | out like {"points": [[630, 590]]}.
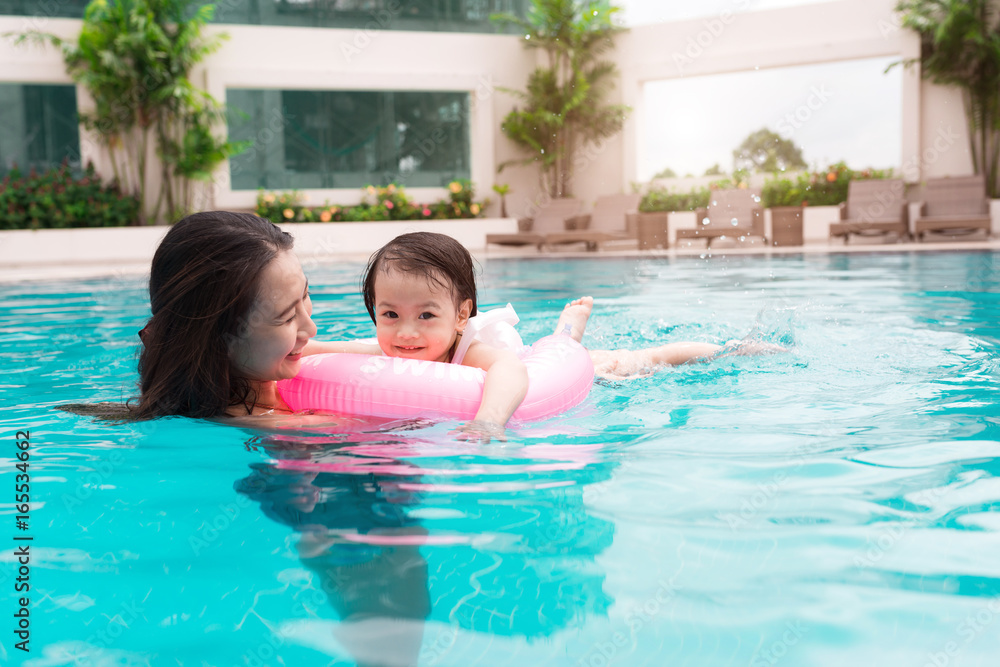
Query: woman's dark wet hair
{"points": [[435, 257], [203, 284]]}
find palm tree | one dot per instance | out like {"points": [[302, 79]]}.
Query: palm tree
{"points": [[960, 46], [563, 108]]}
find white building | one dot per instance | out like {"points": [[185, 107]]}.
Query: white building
{"points": [[339, 93]]}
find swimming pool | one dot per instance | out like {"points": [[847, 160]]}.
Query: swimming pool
{"points": [[836, 505]]}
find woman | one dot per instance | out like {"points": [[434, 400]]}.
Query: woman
{"points": [[230, 315]]}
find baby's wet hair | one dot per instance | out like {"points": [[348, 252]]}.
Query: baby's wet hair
{"points": [[436, 257]]}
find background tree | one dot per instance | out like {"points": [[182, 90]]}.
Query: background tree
{"points": [[563, 109], [134, 58], [766, 151], [960, 46], [714, 170], [666, 172]]}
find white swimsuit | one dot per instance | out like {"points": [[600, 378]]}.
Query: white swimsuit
{"points": [[494, 328]]}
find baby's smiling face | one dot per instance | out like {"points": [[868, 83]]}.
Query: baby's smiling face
{"points": [[416, 317]]}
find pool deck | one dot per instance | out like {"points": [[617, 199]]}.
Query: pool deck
{"points": [[105, 260]]}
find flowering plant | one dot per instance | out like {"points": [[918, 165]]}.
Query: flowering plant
{"points": [[827, 187], [378, 203], [59, 199]]}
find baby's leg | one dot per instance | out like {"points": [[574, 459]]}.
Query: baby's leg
{"points": [[575, 316], [622, 364]]}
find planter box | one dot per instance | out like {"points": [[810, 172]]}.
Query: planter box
{"points": [[815, 222], [653, 230], [786, 226]]}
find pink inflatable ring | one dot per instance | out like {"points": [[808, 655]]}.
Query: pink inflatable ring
{"points": [[560, 374]]}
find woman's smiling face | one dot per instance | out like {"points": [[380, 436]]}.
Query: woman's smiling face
{"points": [[269, 346], [416, 317]]}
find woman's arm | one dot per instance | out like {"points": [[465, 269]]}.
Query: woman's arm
{"points": [[342, 346], [505, 387]]}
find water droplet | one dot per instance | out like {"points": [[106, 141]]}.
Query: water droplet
{"points": [[734, 222], [704, 221], [715, 202], [756, 199]]}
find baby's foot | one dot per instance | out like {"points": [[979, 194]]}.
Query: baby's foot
{"points": [[575, 316], [746, 348]]}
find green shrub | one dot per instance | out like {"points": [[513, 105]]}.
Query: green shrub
{"points": [[378, 203], [660, 199], [820, 188], [56, 199]]}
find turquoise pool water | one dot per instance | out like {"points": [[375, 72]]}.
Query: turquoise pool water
{"points": [[837, 505]]}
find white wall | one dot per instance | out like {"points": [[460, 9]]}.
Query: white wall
{"points": [[944, 136]]}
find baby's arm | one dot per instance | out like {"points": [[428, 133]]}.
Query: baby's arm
{"points": [[505, 387], [348, 346]]}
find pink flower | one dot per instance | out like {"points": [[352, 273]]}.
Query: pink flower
{"points": [[427, 211], [388, 204]]}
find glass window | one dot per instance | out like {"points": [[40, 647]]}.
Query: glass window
{"points": [[39, 126], [347, 139], [72, 9], [430, 15]]}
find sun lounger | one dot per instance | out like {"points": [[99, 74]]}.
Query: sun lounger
{"points": [[551, 218], [607, 223], [873, 207], [953, 205], [731, 213]]}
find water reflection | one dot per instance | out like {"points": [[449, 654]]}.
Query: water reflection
{"points": [[405, 533]]}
